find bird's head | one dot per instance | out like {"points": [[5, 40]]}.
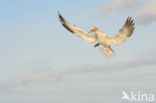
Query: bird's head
{"points": [[93, 29]]}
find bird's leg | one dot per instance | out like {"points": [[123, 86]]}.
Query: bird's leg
{"points": [[97, 44]]}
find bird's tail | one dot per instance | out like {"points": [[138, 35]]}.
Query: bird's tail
{"points": [[107, 51]]}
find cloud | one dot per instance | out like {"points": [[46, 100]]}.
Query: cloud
{"points": [[147, 60], [146, 13], [117, 6], [35, 78]]}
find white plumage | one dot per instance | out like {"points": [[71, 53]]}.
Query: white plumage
{"points": [[102, 38]]}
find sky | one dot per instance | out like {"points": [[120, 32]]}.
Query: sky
{"points": [[40, 61]]}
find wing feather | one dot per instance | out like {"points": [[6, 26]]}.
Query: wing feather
{"points": [[124, 33], [77, 31]]}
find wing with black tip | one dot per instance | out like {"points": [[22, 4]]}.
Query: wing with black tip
{"points": [[77, 31]]}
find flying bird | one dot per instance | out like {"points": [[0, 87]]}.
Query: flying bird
{"points": [[103, 39]]}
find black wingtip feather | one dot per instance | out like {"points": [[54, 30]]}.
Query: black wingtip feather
{"points": [[63, 22], [129, 24]]}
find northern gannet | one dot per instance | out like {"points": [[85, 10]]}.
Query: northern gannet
{"points": [[102, 38]]}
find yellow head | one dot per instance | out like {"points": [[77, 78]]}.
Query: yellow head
{"points": [[93, 29]]}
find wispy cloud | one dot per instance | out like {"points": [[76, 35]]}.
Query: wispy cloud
{"points": [[113, 66], [28, 79], [117, 6], [146, 13], [57, 76]]}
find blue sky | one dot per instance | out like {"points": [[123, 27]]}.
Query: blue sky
{"points": [[40, 61]]}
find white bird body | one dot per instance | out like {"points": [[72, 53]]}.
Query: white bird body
{"points": [[102, 38]]}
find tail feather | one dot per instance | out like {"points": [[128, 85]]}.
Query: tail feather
{"points": [[107, 51]]}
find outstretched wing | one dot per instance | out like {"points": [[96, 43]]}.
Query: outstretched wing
{"points": [[77, 31], [124, 33]]}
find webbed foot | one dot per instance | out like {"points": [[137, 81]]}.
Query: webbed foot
{"points": [[97, 44]]}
